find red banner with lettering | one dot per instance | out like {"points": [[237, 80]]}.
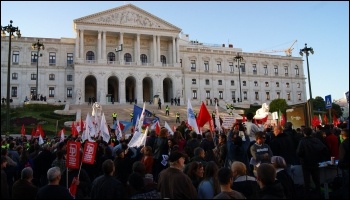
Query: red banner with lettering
{"points": [[73, 155], [89, 152]]}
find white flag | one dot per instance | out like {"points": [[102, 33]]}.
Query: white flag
{"points": [[104, 129], [97, 124], [217, 117], [118, 131], [89, 127], [166, 125], [41, 141], [62, 136], [139, 123], [191, 118], [138, 139]]}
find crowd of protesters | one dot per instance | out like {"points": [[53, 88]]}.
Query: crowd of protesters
{"points": [[247, 161]]}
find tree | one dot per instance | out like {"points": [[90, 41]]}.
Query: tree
{"points": [[278, 105], [336, 110], [319, 104]]}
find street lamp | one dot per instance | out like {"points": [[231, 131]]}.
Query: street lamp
{"points": [[239, 58], [9, 29], [306, 50], [37, 46]]}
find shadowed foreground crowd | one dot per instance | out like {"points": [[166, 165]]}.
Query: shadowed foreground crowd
{"points": [[247, 161]]}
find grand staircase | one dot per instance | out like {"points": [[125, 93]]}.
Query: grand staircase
{"points": [[124, 110]]}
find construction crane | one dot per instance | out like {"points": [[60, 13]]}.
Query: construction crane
{"points": [[287, 51]]}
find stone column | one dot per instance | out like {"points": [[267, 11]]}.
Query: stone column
{"points": [[99, 45], [104, 56], [158, 48], [77, 46], [139, 91], [177, 50], [138, 62], [122, 91], [120, 54], [82, 45], [174, 51], [154, 50]]}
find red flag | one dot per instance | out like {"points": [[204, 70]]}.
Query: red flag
{"points": [[89, 153], [203, 116], [74, 130], [59, 132], [40, 131], [23, 130], [244, 119], [121, 126], [283, 120], [73, 155], [73, 187], [264, 119], [157, 128], [335, 121], [325, 120], [315, 121], [33, 132]]}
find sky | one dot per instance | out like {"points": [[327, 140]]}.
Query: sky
{"points": [[251, 26]]}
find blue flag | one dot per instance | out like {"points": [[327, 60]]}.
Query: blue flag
{"points": [[148, 118]]}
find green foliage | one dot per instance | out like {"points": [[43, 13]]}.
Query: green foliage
{"points": [[39, 113], [336, 110], [319, 104], [277, 105]]}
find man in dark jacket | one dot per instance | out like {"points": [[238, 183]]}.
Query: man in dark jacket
{"points": [[24, 188], [107, 186], [270, 187]]}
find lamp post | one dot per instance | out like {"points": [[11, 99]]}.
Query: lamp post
{"points": [[306, 50], [239, 58], [37, 46], [9, 29]]}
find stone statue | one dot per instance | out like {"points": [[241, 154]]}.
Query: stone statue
{"points": [[78, 96], [262, 112]]}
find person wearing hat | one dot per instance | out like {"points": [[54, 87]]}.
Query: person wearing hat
{"points": [[173, 183]]}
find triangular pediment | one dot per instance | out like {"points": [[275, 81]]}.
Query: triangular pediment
{"points": [[127, 16]]}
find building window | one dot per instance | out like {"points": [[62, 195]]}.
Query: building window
{"points": [[298, 85], [256, 95], [255, 83], [34, 57], [286, 70], [193, 65], [52, 58], [194, 94], [32, 92], [111, 57], [230, 64], [15, 57], [232, 82], [221, 94], [278, 95], [51, 77], [207, 94], [276, 70], [69, 58], [207, 81], [233, 95], [69, 92], [219, 82], [277, 84], [14, 76], [127, 58], [51, 92], [206, 66], [265, 70], [219, 66], [193, 81], [163, 60], [33, 77], [244, 83], [69, 77], [245, 95], [299, 96], [287, 85], [266, 84], [288, 96], [90, 55], [143, 58], [243, 68], [267, 95], [254, 69], [296, 70], [13, 91]]}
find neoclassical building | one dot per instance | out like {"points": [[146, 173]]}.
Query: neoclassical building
{"points": [[126, 53]]}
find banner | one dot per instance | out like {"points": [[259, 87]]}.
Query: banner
{"points": [[89, 153], [73, 155]]}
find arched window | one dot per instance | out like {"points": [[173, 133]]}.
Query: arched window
{"points": [[127, 57], [111, 56], [90, 55], [163, 59], [143, 58]]}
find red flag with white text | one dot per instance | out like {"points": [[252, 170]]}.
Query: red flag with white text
{"points": [[89, 152], [73, 155]]}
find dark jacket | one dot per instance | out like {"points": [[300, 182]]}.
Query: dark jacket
{"points": [[287, 182], [107, 187], [344, 155], [274, 191], [283, 145], [311, 151], [160, 147]]}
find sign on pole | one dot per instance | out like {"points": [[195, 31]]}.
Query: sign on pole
{"points": [[328, 100]]}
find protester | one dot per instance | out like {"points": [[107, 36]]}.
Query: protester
{"points": [[270, 188], [24, 188], [225, 178]]}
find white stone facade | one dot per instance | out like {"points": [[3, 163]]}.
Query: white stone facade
{"points": [[156, 59]]}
